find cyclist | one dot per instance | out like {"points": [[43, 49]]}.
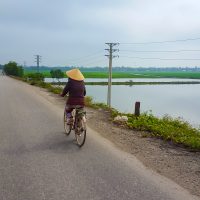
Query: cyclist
{"points": [[75, 87]]}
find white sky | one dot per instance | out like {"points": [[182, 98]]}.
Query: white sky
{"points": [[74, 32]]}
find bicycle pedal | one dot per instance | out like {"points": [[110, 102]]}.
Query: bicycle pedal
{"points": [[79, 134]]}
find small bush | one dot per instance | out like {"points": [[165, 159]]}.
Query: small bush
{"points": [[35, 77], [55, 90], [88, 101]]}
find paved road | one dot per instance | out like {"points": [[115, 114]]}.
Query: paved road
{"points": [[37, 161]]}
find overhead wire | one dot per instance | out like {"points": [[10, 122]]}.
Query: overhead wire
{"points": [[86, 56], [128, 51], [99, 54], [88, 62], [142, 58], [159, 42], [86, 59], [102, 60], [162, 51]]}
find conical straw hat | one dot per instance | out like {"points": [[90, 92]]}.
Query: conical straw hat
{"points": [[75, 74]]}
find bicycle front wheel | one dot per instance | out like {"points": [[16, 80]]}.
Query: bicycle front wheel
{"points": [[80, 133], [67, 127]]}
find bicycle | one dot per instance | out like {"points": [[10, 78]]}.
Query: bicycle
{"points": [[77, 123]]}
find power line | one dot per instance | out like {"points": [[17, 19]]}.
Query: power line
{"points": [[159, 42], [87, 61], [95, 62], [77, 62], [163, 51], [85, 57], [160, 58], [90, 63]]}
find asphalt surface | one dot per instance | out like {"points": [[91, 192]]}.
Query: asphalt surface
{"points": [[38, 162]]}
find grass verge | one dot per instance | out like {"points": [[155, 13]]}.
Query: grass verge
{"points": [[171, 129], [48, 86], [167, 128]]}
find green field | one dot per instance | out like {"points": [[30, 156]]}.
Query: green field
{"points": [[46, 73], [192, 75]]}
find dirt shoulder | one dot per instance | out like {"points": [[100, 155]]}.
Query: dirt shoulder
{"points": [[179, 164]]}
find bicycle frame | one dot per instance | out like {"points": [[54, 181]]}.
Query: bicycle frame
{"points": [[78, 125]]}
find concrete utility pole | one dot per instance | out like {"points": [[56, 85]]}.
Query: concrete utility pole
{"points": [[110, 56], [38, 60]]}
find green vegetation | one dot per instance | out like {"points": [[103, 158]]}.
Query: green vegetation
{"points": [[167, 128], [13, 69], [45, 73], [192, 75], [34, 77], [48, 86], [57, 73], [174, 130], [145, 74], [37, 79]]}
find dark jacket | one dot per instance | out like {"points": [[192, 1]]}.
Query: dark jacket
{"points": [[76, 91]]}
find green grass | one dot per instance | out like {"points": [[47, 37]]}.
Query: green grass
{"points": [[192, 75], [167, 128], [171, 129], [45, 73], [48, 86]]}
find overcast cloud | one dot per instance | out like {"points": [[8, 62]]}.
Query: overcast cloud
{"points": [[74, 32]]}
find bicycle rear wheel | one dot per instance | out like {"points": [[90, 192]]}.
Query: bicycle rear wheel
{"points": [[80, 132], [67, 127]]}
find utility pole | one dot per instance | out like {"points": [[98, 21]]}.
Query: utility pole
{"points": [[38, 60], [110, 56]]}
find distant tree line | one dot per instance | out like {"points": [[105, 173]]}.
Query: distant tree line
{"points": [[13, 69]]}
